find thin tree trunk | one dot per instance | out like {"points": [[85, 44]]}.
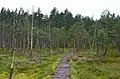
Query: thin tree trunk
{"points": [[3, 37], [13, 55], [105, 51], [12, 65], [50, 42], [75, 40], [97, 45], [63, 46], [28, 41], [31, 43], [24, 44]]}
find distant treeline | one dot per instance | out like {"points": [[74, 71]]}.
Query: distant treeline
{"points": [[59, 30]]}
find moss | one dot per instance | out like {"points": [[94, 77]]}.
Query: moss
{"points": [[24, 70], [106, 68]]}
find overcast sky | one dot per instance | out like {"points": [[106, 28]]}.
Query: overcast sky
{"points": [[85, 7]]}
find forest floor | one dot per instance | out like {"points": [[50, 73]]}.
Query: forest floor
{"points": [[87, 65], [24, 70], [83, 65]]}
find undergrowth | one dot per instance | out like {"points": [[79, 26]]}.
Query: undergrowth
{"points": [[107, 67], [24, 70]]}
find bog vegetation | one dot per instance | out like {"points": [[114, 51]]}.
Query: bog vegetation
{"points": [[32, 45]]}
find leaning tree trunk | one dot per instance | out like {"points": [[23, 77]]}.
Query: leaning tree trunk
{"points": [[12, 65], [105, 52], [13, 55]]}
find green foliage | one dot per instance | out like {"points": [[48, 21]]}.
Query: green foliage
{"points": [[24, 70], [54, 33], [59, 28], [106, 68]]}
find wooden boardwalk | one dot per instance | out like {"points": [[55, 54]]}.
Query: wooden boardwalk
{"points": [[63, 69]]}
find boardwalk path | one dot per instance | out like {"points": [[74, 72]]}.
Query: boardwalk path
{"points": [[63, 69]]}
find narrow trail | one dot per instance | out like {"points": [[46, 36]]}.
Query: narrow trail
{"points": [[63, 69]]}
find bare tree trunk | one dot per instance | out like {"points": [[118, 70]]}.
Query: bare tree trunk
{"points": [[75, 40], [24, 44], [97, 46], [106, 49], [13, 55], [12, 65], [28, 41], [94, 37], [31, 43], [105, 52], [64, 46], [3, 37], [50, 41], [78, 46]]}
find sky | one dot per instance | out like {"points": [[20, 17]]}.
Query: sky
{"points": [[91, 8]]}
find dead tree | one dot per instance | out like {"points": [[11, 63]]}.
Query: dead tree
{"points": [[13, 54], [31, 43]]}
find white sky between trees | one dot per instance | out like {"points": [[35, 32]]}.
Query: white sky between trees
{"points": [[84, 7]]}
